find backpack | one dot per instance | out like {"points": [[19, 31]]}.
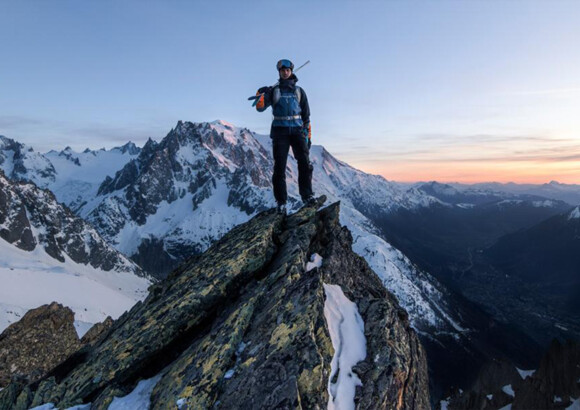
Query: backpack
{"points": [[276, 94]]}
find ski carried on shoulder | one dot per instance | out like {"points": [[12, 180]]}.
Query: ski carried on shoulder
{"points": [[255, 97]]}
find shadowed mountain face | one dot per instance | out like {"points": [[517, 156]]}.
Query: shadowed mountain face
{"points": [[544, 262], [243, 326], [555, 384], [444, 237], [514, 255], [547, 254]]}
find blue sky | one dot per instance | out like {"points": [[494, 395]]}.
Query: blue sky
{"points": [[413, 90]]}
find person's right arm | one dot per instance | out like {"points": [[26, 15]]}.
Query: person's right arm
{"points": [[265, 99]]}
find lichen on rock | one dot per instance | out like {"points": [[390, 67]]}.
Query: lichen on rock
{"points": [[242, 326]]}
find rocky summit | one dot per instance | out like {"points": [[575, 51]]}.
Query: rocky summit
{"points": [[21, 354], [243, 325], [42, 339]]}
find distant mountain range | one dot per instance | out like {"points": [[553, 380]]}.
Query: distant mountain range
{"points": [[569, 193]]}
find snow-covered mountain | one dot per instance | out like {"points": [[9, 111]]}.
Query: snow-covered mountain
{"points": [[50, 254], [79, 175], [467, 196], [20, 162], [71, 176], [569, 193]]}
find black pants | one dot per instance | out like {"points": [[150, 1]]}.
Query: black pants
{"points": [[282, 140]]}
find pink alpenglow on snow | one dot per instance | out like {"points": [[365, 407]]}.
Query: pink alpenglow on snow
{"points": [[346, 328]]}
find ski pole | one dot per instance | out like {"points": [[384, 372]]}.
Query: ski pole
{"points": [[255, 97]]}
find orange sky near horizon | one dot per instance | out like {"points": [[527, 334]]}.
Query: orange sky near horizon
{"points": [[473, 172], [521, 159]]}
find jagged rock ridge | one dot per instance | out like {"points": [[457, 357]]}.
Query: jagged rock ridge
{"points": [[248, 309]]}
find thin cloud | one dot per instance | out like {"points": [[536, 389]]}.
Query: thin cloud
{"points": [[553, 91], [16, 121], [447, 139], [496, 159], [443, 148]]}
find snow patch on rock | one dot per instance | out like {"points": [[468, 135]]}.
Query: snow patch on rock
{"points": [[139, 398], [525, 373], [346, 328], [315, 262]]}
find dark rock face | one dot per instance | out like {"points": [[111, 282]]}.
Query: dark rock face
{"points": [[41, 341], [557, 376], [552, 386], [243, 326], [43, 338], [13, 219]]}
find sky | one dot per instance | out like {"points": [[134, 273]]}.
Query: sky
{"points": [[446, 90]]}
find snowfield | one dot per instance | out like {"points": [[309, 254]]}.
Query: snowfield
{"points": [[33, 279]]}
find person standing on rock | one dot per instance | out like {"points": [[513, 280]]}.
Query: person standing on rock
{"points": [[290, 128]]}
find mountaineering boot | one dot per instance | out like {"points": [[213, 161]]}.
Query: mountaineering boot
{"points": [[281, 209], [313, 202], [310, 201]]}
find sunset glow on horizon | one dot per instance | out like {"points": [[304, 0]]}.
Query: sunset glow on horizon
{"points": [[472, 173], [487, 159]]}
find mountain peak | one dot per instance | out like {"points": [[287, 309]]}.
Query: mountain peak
{"points": [[224, 124], [130, 148], [21, 162], [575, 214]]}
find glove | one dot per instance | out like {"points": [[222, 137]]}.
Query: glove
{"points": [[262, 98], [307, 132]]}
